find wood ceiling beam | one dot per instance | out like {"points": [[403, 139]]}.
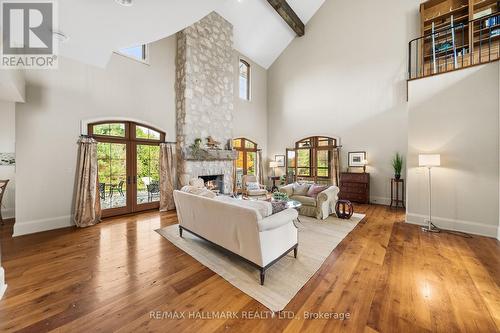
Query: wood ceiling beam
{"points": [[290, 17]]}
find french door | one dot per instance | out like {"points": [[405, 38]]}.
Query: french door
{"points": [[246, 163], [128, 157]]}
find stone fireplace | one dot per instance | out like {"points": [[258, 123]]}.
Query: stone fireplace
{"points": [[205, 70]]}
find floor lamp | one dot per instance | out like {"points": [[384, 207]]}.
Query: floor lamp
{"points": [[429, 161]]}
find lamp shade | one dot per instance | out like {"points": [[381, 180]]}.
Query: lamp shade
{"points": [[273, 164], [429, 160]]}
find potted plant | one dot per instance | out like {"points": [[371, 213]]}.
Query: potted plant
{"points": [[280, 196], [397, 164]]}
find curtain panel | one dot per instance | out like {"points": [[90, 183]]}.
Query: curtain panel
{"points": [[167, 176], [87, 200], [260, 169], [335, 167]]}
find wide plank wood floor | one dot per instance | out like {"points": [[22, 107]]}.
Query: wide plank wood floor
{"points": [[386, 274]]}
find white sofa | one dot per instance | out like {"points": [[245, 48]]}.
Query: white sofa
{"points": [[238, 228]]}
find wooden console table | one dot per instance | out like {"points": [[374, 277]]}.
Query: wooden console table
{"points": [[395, 201]]}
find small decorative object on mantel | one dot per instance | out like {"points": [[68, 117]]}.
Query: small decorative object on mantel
{"points": [[357, 159], [229, 144], [212, 144], [196, 147], [397, 165]]}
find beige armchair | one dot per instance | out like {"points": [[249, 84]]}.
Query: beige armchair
{"points": [[252, 192], [320, 207]]}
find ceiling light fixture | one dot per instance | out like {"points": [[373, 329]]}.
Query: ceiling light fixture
{"points": [[126, 3]]}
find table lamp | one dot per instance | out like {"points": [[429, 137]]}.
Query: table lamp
{"points": [[273, 165], [365, 163], [429, 161]]}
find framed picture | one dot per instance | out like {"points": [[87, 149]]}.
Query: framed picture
{"points": [[280, 159], [357, 158]]}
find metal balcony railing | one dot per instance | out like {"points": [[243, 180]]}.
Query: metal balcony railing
{"points": [[455, 46]]}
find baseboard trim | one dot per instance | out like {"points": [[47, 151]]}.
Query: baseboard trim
{"points": [[380, 200], [31, 227], [469, 227]]}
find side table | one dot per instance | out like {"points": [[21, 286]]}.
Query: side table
{"points": [[395, 200], [344, 209], [273, 179]]}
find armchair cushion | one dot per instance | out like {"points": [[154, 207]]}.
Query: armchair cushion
{"points": [[305, 200], [256, 192]]}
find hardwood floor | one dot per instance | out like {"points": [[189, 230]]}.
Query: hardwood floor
{"points": [[387, 275]]}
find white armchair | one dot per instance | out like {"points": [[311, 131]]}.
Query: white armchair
{"points": [[320, 207], [252, 192]]}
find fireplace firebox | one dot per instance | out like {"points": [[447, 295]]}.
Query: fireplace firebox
{"points": [[214, 183]]}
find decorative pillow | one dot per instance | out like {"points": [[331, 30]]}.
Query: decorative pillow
{"points": [[197, 182], [278, 206], [300, 189], [251, 186], [264, 208], [202, 192], [314, 190]]}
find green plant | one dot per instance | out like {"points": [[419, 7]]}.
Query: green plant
{"points": [[397, 164], [280, 196], [196, 147]]}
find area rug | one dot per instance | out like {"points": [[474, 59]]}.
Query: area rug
{"points": [[284, 279]]}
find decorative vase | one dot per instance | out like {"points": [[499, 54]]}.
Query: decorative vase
{"points": [[397, 176]]}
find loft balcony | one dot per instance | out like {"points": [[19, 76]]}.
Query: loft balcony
{"points": [[454, 45]]}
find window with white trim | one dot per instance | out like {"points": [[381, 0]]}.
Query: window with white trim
{"points": [[244, 79]]}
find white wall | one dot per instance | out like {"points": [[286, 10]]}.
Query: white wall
{"points": [[8, 145], [250, 117], [456, 115], [346, 78], [48, 124]]}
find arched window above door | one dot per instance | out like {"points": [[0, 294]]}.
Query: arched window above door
{"points": [[126, 130], [311, 160]]}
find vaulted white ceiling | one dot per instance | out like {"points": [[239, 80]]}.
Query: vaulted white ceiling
{"points": [[259, 32], [98, 27]]}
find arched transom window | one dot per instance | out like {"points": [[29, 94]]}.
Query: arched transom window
{"points": [[311, 159]]}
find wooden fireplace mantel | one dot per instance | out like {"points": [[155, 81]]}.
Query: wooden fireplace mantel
{"points": [[209, 155]]}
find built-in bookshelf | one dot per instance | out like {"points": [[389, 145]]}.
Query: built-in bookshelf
{"points": [[465, 44]]}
